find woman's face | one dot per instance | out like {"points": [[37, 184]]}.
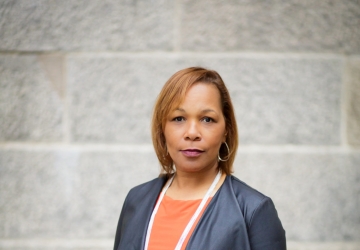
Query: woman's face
{"points": [[195, 130]]}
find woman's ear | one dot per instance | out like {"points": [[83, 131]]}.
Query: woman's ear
{"points": [[225, 136]]}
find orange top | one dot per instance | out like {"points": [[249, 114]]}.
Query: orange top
{"points": [[170, 221]]}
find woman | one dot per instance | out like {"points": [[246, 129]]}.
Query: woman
{"points": [[197, 204]]}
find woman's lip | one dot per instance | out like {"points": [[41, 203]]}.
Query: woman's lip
{"points": [[192, 152]]}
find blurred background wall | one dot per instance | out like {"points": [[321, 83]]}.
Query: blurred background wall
{"points": [[78, 80]]}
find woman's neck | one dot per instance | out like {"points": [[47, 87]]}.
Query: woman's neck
{"points": [[192, 186]]}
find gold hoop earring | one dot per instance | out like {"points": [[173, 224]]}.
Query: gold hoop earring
{"points": [[227, 158]]}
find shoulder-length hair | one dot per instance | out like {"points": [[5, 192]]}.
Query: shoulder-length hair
{"points": [[170, 97]]}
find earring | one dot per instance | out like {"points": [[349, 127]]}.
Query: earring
{"points": [[227, 158]]}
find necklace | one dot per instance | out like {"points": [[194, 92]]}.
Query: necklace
{"points": [[193, 218]]}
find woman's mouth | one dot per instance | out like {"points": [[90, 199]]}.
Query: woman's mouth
{"points": [[192, 152]]}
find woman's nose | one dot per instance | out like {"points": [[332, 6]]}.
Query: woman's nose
{"points": [[192, 132]]}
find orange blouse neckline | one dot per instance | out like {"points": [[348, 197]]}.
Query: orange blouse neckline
{"points": [[171, 220]]}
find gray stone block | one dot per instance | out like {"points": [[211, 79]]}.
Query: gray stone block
{"points": [[278, 100], [36, 244], [345, 245], [112, 98], [316, 193], [294, 25], [56, 244], [284, 100], [90, 244], [31, 105], [78, 194], [353, 105], [67, 194], [86, 25]]}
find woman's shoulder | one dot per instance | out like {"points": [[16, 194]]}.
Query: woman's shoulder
{"points": [[153, 185], [244, 191], [249, 199], [258, 210]]}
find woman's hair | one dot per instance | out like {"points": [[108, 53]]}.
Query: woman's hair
{"points": [[170, 97]]}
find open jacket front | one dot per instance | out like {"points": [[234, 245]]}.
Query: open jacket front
{"points": [[237, 217]]}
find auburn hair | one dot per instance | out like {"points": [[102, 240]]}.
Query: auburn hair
{"points": [[170, 97]]}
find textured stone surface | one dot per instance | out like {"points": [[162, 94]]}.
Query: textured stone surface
{"points": [[317, 194], [353, 106], [69, 196], [108, 244], [112, 97], [284, 100], [86, 25], [56, 244], [31, 106], [277, 25], [21, 244], [75, 194], [323, 245], [67, 193], [278, 100]]}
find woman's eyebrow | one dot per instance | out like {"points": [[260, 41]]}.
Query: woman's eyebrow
{"points": [[208, 111], [180, 109], [204, 111]]}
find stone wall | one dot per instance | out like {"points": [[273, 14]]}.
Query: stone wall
{"points": [[78, 80]]}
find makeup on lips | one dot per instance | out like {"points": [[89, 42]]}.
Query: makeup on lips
{"points": [[192, 152]]}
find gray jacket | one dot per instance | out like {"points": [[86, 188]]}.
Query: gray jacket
{"points": [[237, 217]]}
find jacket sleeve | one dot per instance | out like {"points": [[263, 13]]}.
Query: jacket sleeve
{"points": [[265, 229], [120, 225]]}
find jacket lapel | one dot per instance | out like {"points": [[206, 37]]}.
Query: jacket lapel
{"points": [[222, 226], [139, 208]]}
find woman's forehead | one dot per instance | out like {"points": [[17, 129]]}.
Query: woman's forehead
{"points": [[200, 95]]}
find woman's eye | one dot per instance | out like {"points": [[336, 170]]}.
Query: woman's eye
{"points": [[178, 119], [207, 119]]}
